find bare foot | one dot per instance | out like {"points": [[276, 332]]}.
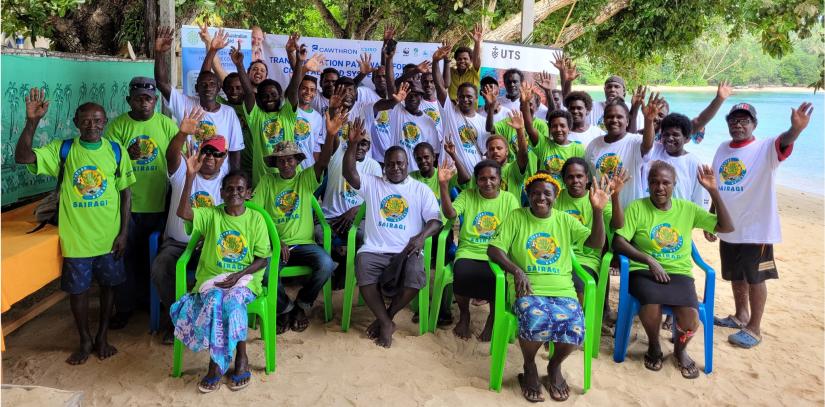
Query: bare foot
{"points": [[104, 349], [374, 330], [462, 328], [486, 333], [385, 337], [81, 355]]}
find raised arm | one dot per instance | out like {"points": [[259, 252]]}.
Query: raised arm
{"points": [[651, 110], [387, 54], [490, 105], [364, 68], [724, 222], [478, 35], [463, 175], [527, 115], [193, 164], [163, 44], [248, 90], [189, 125], [36, 107], [617, 183], [445, 174], [398, 97], [722, 93], [517, 122], [635, 103], [441, 54], [348, 168], [599, 196], [800, 118], [546, 83], [291, 93], [424, 66], [213, 63], [329, 146]]}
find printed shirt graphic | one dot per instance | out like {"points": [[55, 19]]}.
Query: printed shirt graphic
{"points": [[606, 158], [687, 167], [433, 111], [395, 212], [268, 129], [582, 211], [542, 248], [408, 130], [482, 217], [230, 244], [379, 127], [205, 193], [153, 137], [552, 156], [310, 131], [289, 203], [467, 133], [746, 180], [665, 235], [503, 129], [339, 195], [89, 214]]}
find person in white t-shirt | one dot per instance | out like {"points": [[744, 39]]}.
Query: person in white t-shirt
{"points": [[409, 126], [746, 170], [579, 103], [401, 214], [511, 100], [328, 78], [619, 149], [310, 130], [429, 102]]}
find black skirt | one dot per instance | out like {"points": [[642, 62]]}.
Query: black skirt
{"points": [[680, 291], [474, 279]]}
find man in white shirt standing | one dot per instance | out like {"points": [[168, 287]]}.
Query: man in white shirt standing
{"points": [[746, 171], [579, 104], [401, 214], [409, 125]]}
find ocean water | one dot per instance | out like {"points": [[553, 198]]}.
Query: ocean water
{"points": [[803, 170]]}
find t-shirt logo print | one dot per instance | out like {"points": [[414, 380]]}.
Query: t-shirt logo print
{"points": [[576, 214], [433, 114], [148, 149], [485, 224], [88, 182], [287, 201], [732, 171], [608, 164], [554, 164], [343, 132], [302, 129], [383, 120], [273, 132], [201, 199], [231, 246], [543, 248], [208, 130], [467, 135], [411, 134], [666, 238], [394, 208]]}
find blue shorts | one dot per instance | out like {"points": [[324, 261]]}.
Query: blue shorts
{"points": [[78, 272], [550, 319]]}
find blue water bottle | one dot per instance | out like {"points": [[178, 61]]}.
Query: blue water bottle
{"points": [[19, 41]]}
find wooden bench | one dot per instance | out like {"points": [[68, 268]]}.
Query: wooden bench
{"points": [[29, 262]]}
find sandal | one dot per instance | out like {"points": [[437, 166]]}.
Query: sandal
{"points": [[689, 371], [745, 338], [298, 323], [236, 379], [548, 384], [209, 384], [524, 389], [654, 362], [729, 321], [283, 322]]}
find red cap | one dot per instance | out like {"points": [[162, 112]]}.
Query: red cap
{"points": [[217, 142]]}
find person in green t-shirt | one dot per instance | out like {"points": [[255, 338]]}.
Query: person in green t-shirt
{"points": [[535, 246], [482, 209], [93, 221], [236, 250], [656, 237], [146, 135], [552, 152], [427, 173], [512, 173], [536, 129], [287, 197], [269, 111]]}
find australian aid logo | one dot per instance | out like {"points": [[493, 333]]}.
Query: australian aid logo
{"points": [[732, 172], [231, 248], [544, 250], [394, 209], [89, 183]]}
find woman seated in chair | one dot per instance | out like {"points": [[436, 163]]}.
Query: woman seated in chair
{"points": [[656, 237], [484, 209], [535, 246], [231, 268]]}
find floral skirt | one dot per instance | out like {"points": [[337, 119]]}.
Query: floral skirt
{"points": [[550, 319], [215, 320]]}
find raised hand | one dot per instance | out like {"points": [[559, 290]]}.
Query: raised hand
{"points": [[545, 81], [443, 51], [600, 193], [334, 123], [559, 61], [570, 71], [190, 122], [236, 56], [801, 116], [706, 177], [314, 63], [292, 43], [193, 160], [365, 64], [36, 104], [618, 181], [206, 38], [401, 93], [478, 33], [389, 32], [356, 131], [336, 100], [163, 39], [724, 90], [449, 148], [445, 172], [526, 92], [639, 95], [654, 105], [424, 66], [516, 120], [490, 95], [221, 40]]}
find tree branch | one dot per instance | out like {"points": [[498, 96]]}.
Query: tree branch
{"points": [[510, 29], [328, 18], [577, 30]]}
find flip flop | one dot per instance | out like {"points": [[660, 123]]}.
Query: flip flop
{"points": [[235, 379], [745, 338], [729, 321], [548, 384], [654, 362], [207, 381], [689, 371], [524, 389]]}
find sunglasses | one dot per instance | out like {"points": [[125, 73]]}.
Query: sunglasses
{"points": [[148, 86], [213, 153]]}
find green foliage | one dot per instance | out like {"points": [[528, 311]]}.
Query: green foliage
{"points": [[30, 17]]}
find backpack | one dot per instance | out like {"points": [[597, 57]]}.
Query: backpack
{"points": [[47, 210]]}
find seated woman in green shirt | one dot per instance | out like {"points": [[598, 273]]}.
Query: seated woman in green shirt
{"points": [[231, 267], [535, 246], [656, 237], [483, 208]]}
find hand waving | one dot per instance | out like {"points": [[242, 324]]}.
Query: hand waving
{"points": [[401, 93], [445, 172], [724, 90], [163, 39], [706, 177], [335, 123], [516, 120], [356, 131], [655, 104], [545, 81], [600, 193], [236, 56], [639, 95], [801, 116], [193, 160], [443, 51], [221, 40], [526, 92], [365, 64], [36, 104], [190, 123]]}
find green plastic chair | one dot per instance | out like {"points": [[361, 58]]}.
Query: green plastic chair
{"points": [[505, 324], [349, 283], [265, 306], [443, 276], [601, 289]]}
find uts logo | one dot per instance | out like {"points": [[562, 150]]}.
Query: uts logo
{"points": [[231, 246], [88, 182], [273, 132], [302, 129], [467, 135], [608, 164], [543, 248], [286, 202], [394, 208], [148, 149], [732, 171], [666, 238], [576, 214], [485, 224], [433, 114], [410, 135], [201, 199]]}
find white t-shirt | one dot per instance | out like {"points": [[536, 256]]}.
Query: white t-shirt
{"points": [[467, 133], [584, 138], [395, 212], [379, 128], [320, 103], [746, 179], [687, 167], [205, 193], [408, 130], [367, 95], [224, 122], [339, 196], [604, 158], [515, 106], [310, 132], [363, 96], [596, 117], [433, 111]]}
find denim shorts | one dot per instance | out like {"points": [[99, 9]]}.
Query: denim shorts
{"points": [[78, 272]]}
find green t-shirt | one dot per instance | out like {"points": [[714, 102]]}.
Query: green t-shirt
{"points": [[246, 153], [482, 217], [268, 129], [552, 156], [230, 244], [665, 235], [581, 209], [542, 249], [512, 180], [154, 135], [89, 214], [289, 202], [432, 184], [503, 129]]}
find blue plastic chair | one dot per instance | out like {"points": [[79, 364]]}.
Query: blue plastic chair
{"points": [[154, 297], [629, 307]]}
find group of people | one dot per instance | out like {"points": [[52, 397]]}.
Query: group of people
{"points": [[534, 176]]}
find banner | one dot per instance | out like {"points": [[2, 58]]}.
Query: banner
{"points": [[193, 51], [68, 83], [498, 57]]}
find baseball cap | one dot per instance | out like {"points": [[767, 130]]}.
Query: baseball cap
{"points": [[616, 78], [217, 142], [141, 85], [743, 107]]}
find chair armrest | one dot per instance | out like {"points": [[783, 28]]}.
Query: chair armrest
{"points": [[624, 270], [180, 265], [353, 229], [501, 291], [319, 214], [710, 274], [441, 248]]}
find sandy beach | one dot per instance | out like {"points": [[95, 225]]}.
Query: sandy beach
{"points": [[324, 366], [738, 89]]}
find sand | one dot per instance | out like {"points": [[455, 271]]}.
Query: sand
{"points": [[739, 89], [324, 366]]}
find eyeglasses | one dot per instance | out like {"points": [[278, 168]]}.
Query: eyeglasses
{"points": [[732, 122], [148, 86], [214, 153]]}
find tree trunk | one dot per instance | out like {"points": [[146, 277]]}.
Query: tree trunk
{"points": [[91, 28], [577, 30], [328, 18], [150, 26], [510, 30]]}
